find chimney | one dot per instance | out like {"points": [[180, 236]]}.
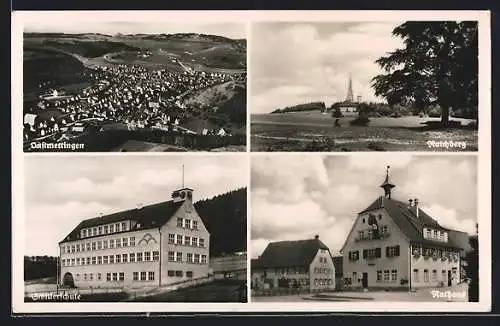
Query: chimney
{"points": [[411, 202], [316, 236], [416, 206], [139, 206]]}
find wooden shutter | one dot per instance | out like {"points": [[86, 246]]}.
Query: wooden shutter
{"points": [[365, 253], [397, 251], [387, 251], [378, 252]]}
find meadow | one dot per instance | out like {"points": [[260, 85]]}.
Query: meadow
{"points": [[314, 131]]}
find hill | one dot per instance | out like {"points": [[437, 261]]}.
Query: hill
{"points": [[225, 217], [312, 106]]}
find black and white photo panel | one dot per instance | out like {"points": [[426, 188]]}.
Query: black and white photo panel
{"points": [[319, 86], [122, 85], [134, 229]]}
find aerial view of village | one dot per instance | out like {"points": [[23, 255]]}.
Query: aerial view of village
{"points": [[154, 89], [362, 86]]}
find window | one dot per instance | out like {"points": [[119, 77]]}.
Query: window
{"points": [[156, 255], [189, 274], [138, 257], [118, 243], [121, 277], [88, 260], [91, 276], [379, 276], [132, 257], [187, 240], [118, 258], [178, 239], [434, 275], [124, 226], [197, 258], [118, 227], [94, 245], [195, 225], [187, 223], [171, 238], [108, 277], [147, 256], [178, 273], [189, 258], [105, 229], [426, 275], [111, 259], [85, 276], [392, 251], [354, 255], [179, 257], [171, 273], [99, 245], [383, 229], [99, 276], [104, 259], [84, 233], [361, 235], [125, 242], [104, 244], [88, 246], [179, 222], [132, 241], [99, 260], [171, 256], [99, 230], [363, 221], [194, 241], [143, 276], [371, 253], [416, 277], [135, 276], [115, 277], [111, 243], [151, 276], [355, 276], [124, 258], [201, 243], [386, 275], [112, 228], [394, 275], [77, 247], [204, 259], [443, 275], [78, 262]]}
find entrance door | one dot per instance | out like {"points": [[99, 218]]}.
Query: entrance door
{"points": [[68, 280], [449, 278], [365, 280]]}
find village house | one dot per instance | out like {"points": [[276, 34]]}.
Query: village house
{"points": [[232, 266], [153, 245], [395, 244], [303, 264]]}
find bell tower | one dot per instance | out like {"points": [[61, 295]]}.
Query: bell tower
{"points": [[387, 185], [350, 97]]}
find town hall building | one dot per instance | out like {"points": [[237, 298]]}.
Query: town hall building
{"points": [[301, 264], [153, 245], [396, 244]]}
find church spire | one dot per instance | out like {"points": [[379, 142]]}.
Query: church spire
{"points": [[350, 96], [387, 185]]}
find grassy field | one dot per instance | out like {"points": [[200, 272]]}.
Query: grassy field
{"points": [[301, 131]]}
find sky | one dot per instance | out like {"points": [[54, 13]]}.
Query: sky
{"points": [[61, 191], [231, 30], [294, 63], [294, 198]]}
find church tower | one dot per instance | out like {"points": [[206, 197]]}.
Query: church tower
{"points": [[350, 97], [387, 185]]}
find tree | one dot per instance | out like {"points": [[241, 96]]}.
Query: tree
{"points": [[472, 268], [438, 65]]}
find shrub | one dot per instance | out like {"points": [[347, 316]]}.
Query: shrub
{"points": [[360, 121]]}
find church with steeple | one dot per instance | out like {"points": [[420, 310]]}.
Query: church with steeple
{"points": [[349, 105], [395, 244]]}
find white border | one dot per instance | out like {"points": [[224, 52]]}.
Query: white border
{"points": [[484, 159]]}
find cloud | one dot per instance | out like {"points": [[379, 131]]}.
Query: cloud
{"points": [[303, 62]]}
